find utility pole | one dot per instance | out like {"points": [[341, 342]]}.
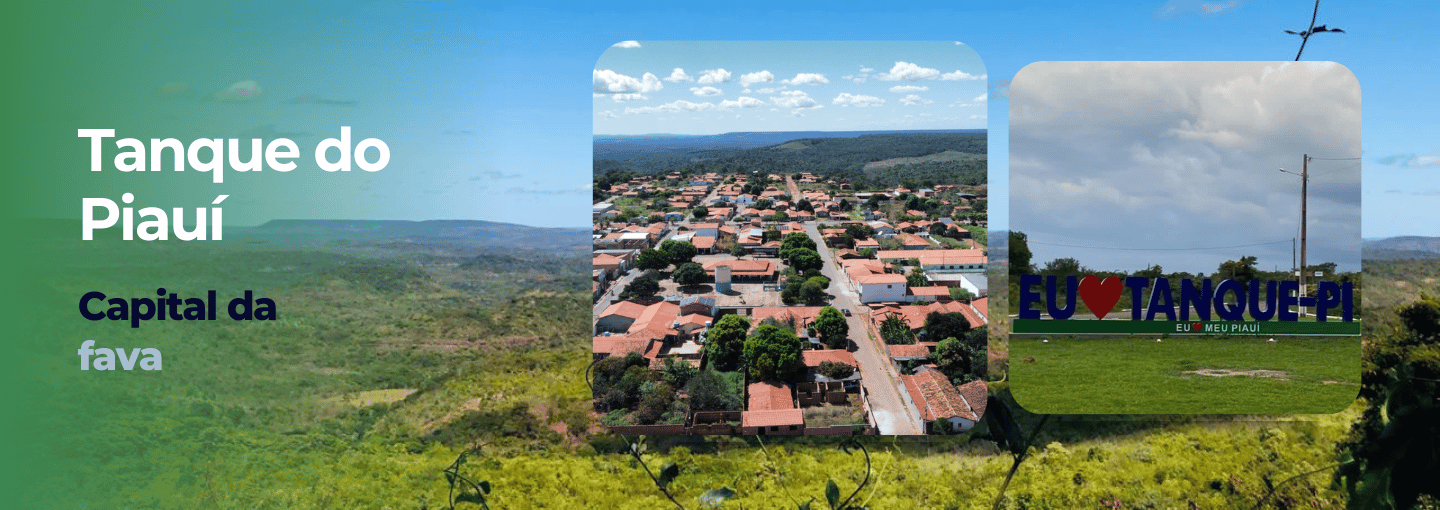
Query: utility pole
{"points": [[1304, 194]]}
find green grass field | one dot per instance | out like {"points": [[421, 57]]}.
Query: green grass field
{"points": [[1184, 375]]}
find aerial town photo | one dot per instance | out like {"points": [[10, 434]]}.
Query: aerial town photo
{"points": [[795, 264]]}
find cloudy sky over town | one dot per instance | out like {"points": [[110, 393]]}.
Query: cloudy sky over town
{"points": [[1126, 164], [645, 87]]}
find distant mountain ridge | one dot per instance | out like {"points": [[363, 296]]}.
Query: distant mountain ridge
{"points": [[491, 233], [623, 146], [1401, 247]]}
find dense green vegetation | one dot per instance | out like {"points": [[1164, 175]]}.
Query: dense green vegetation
{"points": [[870, 160], [381, 372]]}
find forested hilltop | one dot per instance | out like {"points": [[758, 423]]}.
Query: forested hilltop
{"points": [[874, 160]]}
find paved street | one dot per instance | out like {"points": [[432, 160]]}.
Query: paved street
{"points": [[892, 415]]}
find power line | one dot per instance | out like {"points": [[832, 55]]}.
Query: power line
{"points": [[1158, 249], [1334, 159]]}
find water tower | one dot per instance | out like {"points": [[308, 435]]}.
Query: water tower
{"points": [[722, 279]]}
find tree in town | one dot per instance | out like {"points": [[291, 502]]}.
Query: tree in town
{"points": [[946, 325], [833, 329], [959, 361], [803, 260], [700, 212], [725, 342], [917, 278], [773, 354], [1019, 256], [689, 273], [859, 230], [835, 369], [960, 294], [679, 252], [1242, 270], [797, 240], [640, 287], [895, 330], [678, 372], [710, 391], [813, 291], [652, 259]]}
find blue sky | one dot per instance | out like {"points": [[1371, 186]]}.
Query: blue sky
{"points": [[489, 109], [709, 87]]}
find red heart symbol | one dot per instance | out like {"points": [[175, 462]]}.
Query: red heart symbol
{"points": [[1197, 326], [1101, 295]]}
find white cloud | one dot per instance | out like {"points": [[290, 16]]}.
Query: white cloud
{"points": [[769, 90], [912, 100], [962, 76], [982, 97], [706, 91], [621, 98], [742, 102], [673, 107], [977, 116], [848, 99], [794, 99], [606, 81], [681, 106], [866, 70], [609, 114], [806, 79], [711, 76], [908, 71], [901, 89], [1219, 8], [626, 44], [749, 79], [678, 75]]}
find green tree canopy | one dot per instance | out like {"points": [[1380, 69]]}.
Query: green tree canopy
{"points": [[642, 286], [833, 329], [958, 361], [679, 252], [946, 325], [797, 240], [859, 230], [894, 330], [773, 354], [725, 341], [652, 259], [700, 212], [689, 273], [803, 260], [1063, 267], [1242, 270], [1019, 255], [917, 278], [712, 391]]}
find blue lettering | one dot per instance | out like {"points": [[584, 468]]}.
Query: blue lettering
{"points": [[1161, 301]]}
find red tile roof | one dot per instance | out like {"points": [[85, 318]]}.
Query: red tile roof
{"points": [[770, 396], [939, 399], [778, 418], [975, 393], [813, 358], [909, 351], [619, 345], [743, 267], [627, 309]]}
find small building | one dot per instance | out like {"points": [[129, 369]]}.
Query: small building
{"points": [[877, 288], [939, 402], [771, 411]]}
